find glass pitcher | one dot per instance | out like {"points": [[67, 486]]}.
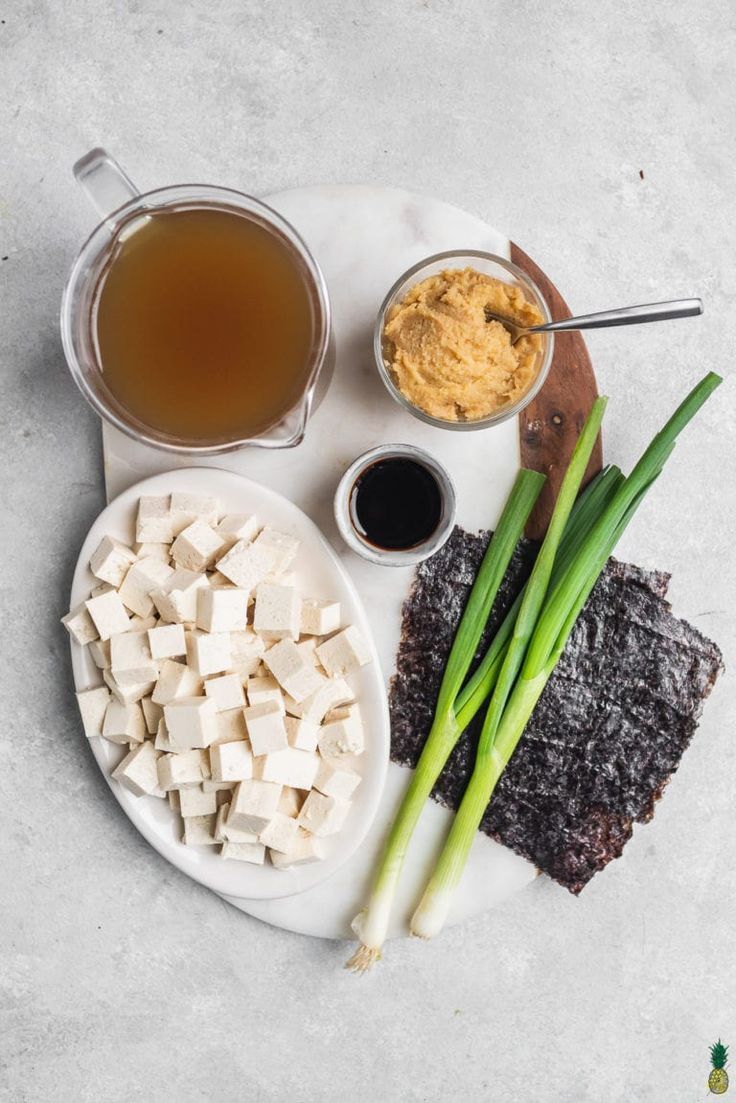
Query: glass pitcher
{"points": [[117, 200]]}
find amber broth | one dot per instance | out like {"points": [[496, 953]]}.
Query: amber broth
{"points": [[203, 324]]}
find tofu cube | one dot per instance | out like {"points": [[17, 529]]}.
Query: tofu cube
{"points": [[148, 550], [323, 815], [173, 798], [127, 695], [187, 508], [280, 834], [301, 734], [137, 772], [244, 852], [92, 707], [280, 547], [307, 649], [305, 848], [226, 833], [195, 802], [167, 641], [225, 787], [162, 742], [130, 659], [246, 650], [332, 692], [336, 780], [175, 680], [124, 723], [196, 547], [111, 560], [200, 830], [180, 771], [342, 737], [154, 523], [80, 626], [231, 762], [153, 714], [319, 618], [263, 691], [191, 722], [176, 599], [235, 527], [344, 653], [142, 624], [226, 691], [230, 727], [99, 652], [142, 578], [295, 673], [290, 802], [277, 612], [265, 725], [108, 614], [253, 805], [222, 609], [297, 769], [208, 652], [244, 565]]}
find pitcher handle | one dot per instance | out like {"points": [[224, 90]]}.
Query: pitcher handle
{"points": [[105, 184]]}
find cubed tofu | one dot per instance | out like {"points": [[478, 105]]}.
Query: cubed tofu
{"points": [[246, 649], [211, 786], [344, 653], [142, 624], [244, 565], [255, 853], [108, 613], [176, 600], [231, 761], [280, 547], [173, 798], [335, 780], [180, 771], [127, 695], [130, 659], [265, 725], [332, 692], [319, 618], [167, 641], [262, 691], [137, 772], [111, 560], [103, 588], [154, 523], [237, 526], [175, 680], [187, 508], [208, 652], [280, 834], [80, 626], [153, 714], [221, 609], [162, 742], [277, 612], [195, 802], [99, 652], [124, 723], [226, 691], [191, 722], [290, 801], [200, 830], [297, 769], [227, 833], [253, 805], [230, 727], [295, 673], [323, 815], [149, 550], [306, 848], [307, 648], [197, 546], [218, 581], [142, 578], [342, 737], [92, 707], [301, 734]]}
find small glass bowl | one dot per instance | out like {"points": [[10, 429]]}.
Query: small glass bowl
{"points": [[490, 264], [394, 557]]}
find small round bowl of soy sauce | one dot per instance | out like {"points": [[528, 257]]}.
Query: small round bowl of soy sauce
{"points": [[395, 505]]}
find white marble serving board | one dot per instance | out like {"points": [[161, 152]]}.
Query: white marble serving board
{"points": [[364, 238]]}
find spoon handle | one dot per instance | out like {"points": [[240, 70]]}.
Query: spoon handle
{"points": [[627, 316]]}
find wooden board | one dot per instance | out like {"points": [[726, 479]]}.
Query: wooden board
{"points": [[550, 424]]}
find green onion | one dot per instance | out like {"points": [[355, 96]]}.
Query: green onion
{"points": [[539, 651], [372, 923]]}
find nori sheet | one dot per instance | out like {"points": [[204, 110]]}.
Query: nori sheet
{"points": [[608, 732]]}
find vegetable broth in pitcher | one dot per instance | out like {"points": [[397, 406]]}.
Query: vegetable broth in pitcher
{"points": [[203, 323]]}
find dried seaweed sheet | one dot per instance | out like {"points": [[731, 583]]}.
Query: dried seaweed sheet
{"points": [[608, 732]]}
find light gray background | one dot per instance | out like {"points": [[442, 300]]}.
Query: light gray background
{"points": [[120, 979]]}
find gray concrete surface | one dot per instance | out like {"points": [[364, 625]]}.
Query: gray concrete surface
{"points": [[119, 979]]}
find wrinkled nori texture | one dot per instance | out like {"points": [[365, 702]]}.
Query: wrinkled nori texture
{"points": [[608, 732]]}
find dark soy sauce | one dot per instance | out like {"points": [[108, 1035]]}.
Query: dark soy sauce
{"points": [[396, 503]]}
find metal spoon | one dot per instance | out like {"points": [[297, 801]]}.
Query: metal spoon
{"points": [[626, 316]]}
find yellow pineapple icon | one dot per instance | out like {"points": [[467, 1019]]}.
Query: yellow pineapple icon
{"points": [[718, 1079]]}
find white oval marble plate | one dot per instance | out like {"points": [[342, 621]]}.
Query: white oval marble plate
{"points": [[321, 573]]}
